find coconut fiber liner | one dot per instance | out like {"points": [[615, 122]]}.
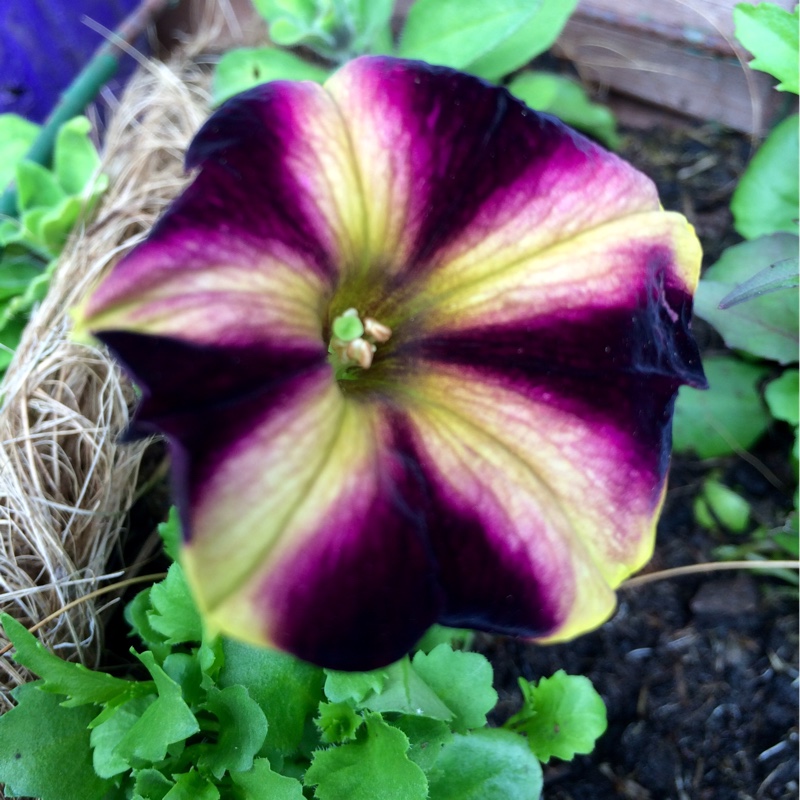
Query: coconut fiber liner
{"points": [[66, 482]]}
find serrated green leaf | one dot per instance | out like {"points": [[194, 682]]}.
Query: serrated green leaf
{"points": [[405, 692], [769, 32], [242, 730], [174, 614], [246, 67], [765, 326], [37, 187], [486, 765], [456, 33], [341, 687], [16, 137], [192, 786], [374, 767], [567, 100], [185, 670], [165, 721], [262, 783], [730, 508], [337, 722], [766, 198], [137, 616], [151, 784], [533, 38], [287, 689], [782, 395], [109, 733], [462, 681], [170, 533], [79, 684], [75, 159], [44, 749], [562, 715], [426, 738], [726, 418]]}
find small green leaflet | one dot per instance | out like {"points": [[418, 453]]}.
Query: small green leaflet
{"points": [[262, 783], [562, 715], [338, 722], [174, 614], [769, 32], [782, 397], [16, 137], [717, 503], [375, 767]]}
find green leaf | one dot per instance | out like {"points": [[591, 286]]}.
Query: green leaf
{"points": [[462, 681], [80, 684], [371, 23], [562, 715], [10, 336], [725, 505], [246, 67], [16, 137], [727, 418], [769, 32], [781, 275], [137, 615], [192, 786], [766, 199], [765, 326], [37, 187], [374, 768], [151, 784], [109, 733], [16, 272], [242, 730], [532, 39], [405, 692], [486, 765], [567, 100], [262, 783], [170, 533], [174, 613], [355, 686], [165, 721], [44, 749], [75, 159], [337, 722], [287, 689], [781, 396], [456, 33], [426, 737]]}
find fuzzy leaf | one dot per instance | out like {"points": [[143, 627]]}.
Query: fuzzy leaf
{"points": [[765, 326], [246, 67], [766, 199], [463, 681], [79, 684], [242, 730], [726, 418], [486, 765], [44, 749], [17, 135], [375, 768], [337, 722], [262, 783], [769, 32], [426, 737], [562, 715], [354, 686], [287, 690]]}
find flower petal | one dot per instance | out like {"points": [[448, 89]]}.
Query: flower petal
{"points": [[323, 552]]}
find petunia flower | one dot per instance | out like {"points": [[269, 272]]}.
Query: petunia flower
{"points": [[415, 348]]}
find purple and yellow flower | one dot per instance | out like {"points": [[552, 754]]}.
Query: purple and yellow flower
{"points": [[415, 348]]}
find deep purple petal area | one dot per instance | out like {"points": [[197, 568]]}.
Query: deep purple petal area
{"points": [[246, 188], [363, 593], [185, 386]]}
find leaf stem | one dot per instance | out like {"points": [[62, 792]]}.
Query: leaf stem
{"points": [[85, 87], [713, 566]]}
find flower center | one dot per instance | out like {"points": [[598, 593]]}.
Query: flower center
{"points": [[354, 342]]}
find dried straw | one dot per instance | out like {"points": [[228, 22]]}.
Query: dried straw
{"points": [[66, 484]]}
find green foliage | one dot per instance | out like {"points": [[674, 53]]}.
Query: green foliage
{"points": [[769, 32], [239, 70], [567, 100], [227, 720], [766, 198], [782, 397], [718, 505], [16, 137], [765, 326], [562, 715]]}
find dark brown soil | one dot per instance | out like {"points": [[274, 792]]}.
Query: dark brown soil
{"points": [[699, 673]]}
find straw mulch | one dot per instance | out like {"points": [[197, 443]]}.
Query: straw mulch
{"points": [[66, 484]]}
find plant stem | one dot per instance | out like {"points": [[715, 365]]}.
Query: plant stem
{"points": [[86, 86], [713, 566]]}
